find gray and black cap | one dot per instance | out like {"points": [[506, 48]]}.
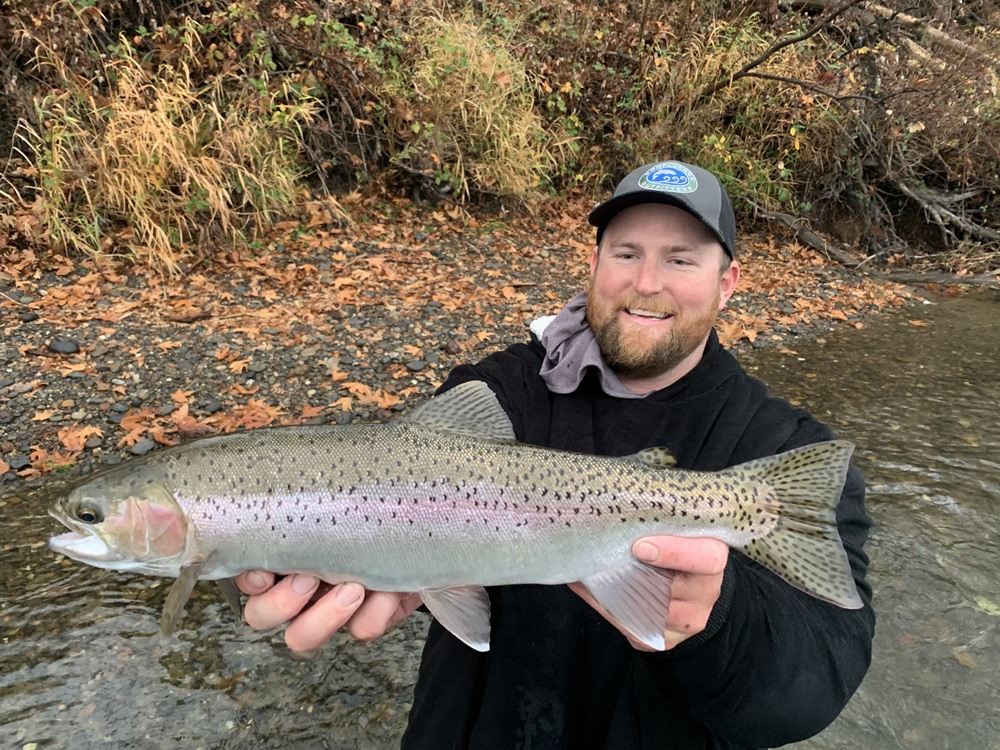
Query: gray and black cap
{"points": [[686, 186]]}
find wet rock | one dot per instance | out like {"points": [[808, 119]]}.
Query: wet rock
{"points": [[416, 365], [28, 317], [143, 447], [19, 462], [64, 346], [212, 407]]}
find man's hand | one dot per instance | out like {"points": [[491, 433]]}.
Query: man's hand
{"points": [[699, 565], [315, 611]]}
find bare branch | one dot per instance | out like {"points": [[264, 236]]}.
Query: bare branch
{"points": [[809, 87], [818, 26]]}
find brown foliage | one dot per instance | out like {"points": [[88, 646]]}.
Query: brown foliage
{"points": [[877, 122]]}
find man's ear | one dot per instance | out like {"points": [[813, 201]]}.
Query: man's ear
{"points": [[727, 283], [593, 259]]}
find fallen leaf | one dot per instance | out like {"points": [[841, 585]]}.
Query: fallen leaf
{"points": [[919, 323], [965, 659]]}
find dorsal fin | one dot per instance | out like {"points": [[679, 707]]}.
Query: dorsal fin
{"points": [[469, 408]]}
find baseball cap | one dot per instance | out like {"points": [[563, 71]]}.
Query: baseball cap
{"points": [[686, 186]]}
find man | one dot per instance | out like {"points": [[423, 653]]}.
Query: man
{"points": [[634, 363]]}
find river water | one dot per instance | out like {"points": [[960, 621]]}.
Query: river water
{"points": [[82, 663]]}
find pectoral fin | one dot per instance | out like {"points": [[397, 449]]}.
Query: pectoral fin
{"points": [[637, 597], [464, 612], [177, 597]]}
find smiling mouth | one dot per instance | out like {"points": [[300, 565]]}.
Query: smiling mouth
{"points": [[649, 314]]}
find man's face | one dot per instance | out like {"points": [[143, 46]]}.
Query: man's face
{"points": [[656, 286]]}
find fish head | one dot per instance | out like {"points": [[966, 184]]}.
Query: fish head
{"points": [[121, 523]]}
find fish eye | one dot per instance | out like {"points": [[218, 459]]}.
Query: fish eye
{"points": [[88, 512]]}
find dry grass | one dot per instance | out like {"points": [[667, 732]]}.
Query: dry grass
{"points": [[752, 133], [152, 167], [468, 105]]}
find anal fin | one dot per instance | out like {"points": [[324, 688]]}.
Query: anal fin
{"points": [[232, 595], [462, 611], [637, 597]]}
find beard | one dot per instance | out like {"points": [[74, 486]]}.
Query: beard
{"points": [[638, 353]]}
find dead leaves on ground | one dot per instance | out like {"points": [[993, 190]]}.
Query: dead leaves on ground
{"points": [[313, 293]]}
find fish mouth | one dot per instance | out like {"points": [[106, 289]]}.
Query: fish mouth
{"points": [[83, 547]]}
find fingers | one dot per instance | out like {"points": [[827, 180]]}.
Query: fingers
{"points": [[325, 616], [254, 581], [380, 612], [280, 602], [699, 566], [315, 612], [696, 556]]}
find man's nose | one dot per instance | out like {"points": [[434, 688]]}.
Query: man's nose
{"points": [[648, 280]]}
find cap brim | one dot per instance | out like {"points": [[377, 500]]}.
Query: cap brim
{"points": [[605, 212]]}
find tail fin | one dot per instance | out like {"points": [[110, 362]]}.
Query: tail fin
{"points": [[805, 547]]}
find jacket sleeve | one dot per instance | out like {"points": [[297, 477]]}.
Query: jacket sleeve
{"points": [[776, 665]]}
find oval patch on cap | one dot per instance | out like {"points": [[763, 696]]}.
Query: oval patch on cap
{"points": [[669, 177]]}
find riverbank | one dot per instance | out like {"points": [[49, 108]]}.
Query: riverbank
{"points": [[335, 322]]}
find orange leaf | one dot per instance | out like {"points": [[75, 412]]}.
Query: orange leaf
{"points": [[4, 467], [360, 390], [345, 403], [41, 416], [308, 412], [385, 400], [239, 365], [919, 323], [74, 439]]}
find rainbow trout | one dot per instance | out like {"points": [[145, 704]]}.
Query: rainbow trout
{"points": [[445, 502]]}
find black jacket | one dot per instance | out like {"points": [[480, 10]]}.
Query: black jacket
{"points": [[774, 665]]}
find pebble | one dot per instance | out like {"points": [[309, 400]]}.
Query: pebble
{"points": [[28, 317], [143, 447], [64, 346], [212, 407], [416, 365], [19, 462]]}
